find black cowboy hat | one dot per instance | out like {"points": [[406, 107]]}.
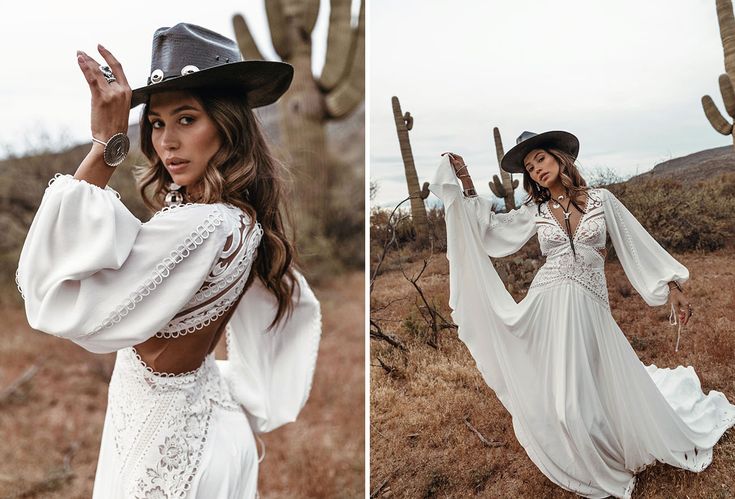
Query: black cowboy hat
{"points": [[526, 142], [188, 56]]}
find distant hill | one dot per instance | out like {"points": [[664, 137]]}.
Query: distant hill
{"points": [[693, 167]]}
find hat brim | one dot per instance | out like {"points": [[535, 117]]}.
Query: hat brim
{"points": [[263, 82], [512, 161]]}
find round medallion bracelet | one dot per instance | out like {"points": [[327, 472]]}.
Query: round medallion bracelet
{"points": [[116, 149]]}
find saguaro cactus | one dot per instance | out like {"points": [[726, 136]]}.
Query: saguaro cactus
{"points": [[404, 123], [312, 101], [503, 189], [726, 21]]}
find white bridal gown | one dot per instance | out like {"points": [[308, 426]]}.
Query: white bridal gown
{"points": [[585, 408], [91, 272]]}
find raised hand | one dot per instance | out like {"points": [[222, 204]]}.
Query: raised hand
{"points": [[110, 101], [457, 162]]}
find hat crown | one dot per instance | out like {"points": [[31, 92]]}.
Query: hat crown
{"points": [[186, 48], [525, 136]]}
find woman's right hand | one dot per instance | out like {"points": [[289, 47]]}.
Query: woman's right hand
{"points": [[457, 162], [110, 101]]}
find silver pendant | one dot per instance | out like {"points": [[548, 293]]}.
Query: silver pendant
{"points": [[173, 197]]}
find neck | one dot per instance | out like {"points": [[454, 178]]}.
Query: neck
{"points": [[556, 190]]}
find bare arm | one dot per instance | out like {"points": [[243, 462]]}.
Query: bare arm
{"points": [[110, 111]]}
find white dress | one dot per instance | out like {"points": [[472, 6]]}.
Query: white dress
{"points": [[587, 411], [91, 272]]}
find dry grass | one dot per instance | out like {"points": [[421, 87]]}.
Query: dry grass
{"points": [[58, 414], [420, 445]]}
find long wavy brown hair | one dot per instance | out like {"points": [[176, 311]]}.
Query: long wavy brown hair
{"points": [[572, 181], [243, 172]]}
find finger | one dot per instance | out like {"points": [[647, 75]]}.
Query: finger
{"points": [[114, 64], [87, 72], [93, 68]]}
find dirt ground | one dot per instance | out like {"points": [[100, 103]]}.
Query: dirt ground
{"points": [[51, 426], [422, 398]]}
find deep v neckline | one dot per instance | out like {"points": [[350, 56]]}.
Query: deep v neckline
{"points": [[579, 222]]}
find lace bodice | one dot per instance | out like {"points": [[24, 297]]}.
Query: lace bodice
{"points": [[586, 268]]}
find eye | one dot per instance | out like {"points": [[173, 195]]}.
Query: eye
{"points": [[156, 124], [183, 120]]}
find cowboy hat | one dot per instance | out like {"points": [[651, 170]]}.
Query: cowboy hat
{"points": [[526, 142], [188, 56]]}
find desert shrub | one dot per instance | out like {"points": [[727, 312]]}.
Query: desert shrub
{"points": [[682, 216]]}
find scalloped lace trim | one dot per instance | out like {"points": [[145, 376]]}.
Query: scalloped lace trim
{"points": [[225, 274], [67, 177], [163, 269], [17, 283]]}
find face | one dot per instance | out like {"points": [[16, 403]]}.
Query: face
{"points": [[184, 136], [542, 166]]}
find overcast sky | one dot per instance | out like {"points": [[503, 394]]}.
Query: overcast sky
{"points": [[626, 77], [42, 88]]}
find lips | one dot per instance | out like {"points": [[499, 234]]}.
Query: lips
{"points": [[543, 177], [176, 164]]}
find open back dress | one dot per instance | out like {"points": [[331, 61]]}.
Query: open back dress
{"points": [[92, 273], [587, 411]]}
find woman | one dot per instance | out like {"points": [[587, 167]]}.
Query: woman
{"points": [[589, 414], [215, 260]]}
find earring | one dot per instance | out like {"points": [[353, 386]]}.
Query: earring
{"points": [[173, 197]]}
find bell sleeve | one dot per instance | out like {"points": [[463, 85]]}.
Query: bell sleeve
{"points": [[270, 372], [647, 265], [477, 295], [501, 234], [91, 272]]}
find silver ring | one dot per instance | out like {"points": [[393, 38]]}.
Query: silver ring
{"points": [[107, 73]]}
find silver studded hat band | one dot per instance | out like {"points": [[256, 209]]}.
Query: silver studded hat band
{"points": [[116, 149], [187, 56]]}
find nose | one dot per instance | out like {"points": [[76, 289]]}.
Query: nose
{"points": [[169, 139]]}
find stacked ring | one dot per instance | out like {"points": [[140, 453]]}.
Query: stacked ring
{"points": [[107, 73]]}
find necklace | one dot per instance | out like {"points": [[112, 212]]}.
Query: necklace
{"points": [[568, 226], [556, 203]]}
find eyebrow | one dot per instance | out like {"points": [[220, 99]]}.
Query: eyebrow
{"points": [[185, 107]]}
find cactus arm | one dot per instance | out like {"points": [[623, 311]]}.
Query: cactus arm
{"points": [[338, 44], [278, 25], [409, 120], [245, 40], [424, 191], [311, 13], [351, 89], [497, 187], [715, 118]]}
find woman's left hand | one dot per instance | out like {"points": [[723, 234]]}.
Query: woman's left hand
{"points": [[110, 101], [681, 305]]}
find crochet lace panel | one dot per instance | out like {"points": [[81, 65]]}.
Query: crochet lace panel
{"points": [[586, 269], [225, 281], [161, 423]]}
